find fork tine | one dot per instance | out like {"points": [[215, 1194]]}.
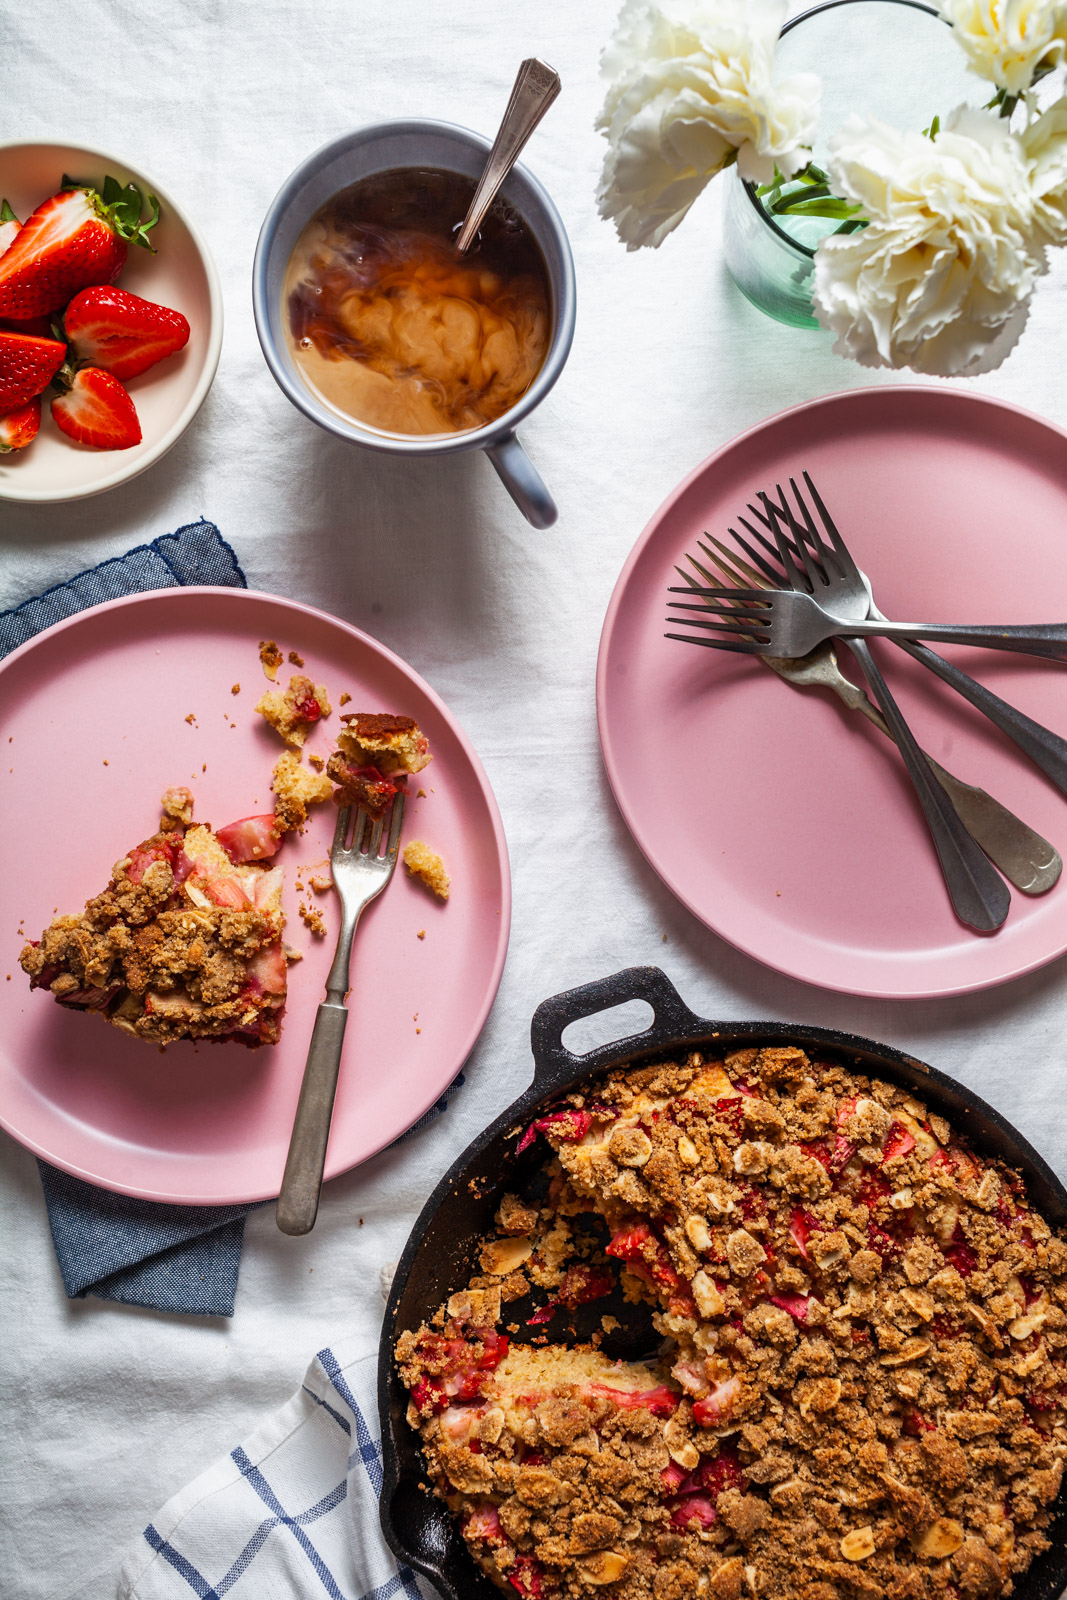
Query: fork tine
{"points": [[741, 647], [340, 832], [791, 559], [732, 623], [843, 552], [714, 591], [733, 563], [830, 563], [813, 573], [362, 818], [375, 836], [774, 575], [772, 549], [395, 824]]}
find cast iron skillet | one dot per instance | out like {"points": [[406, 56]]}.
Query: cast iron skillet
{"points": [[440, 1254]]}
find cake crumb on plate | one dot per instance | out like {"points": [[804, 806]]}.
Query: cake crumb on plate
{"points": [[426, 865]]}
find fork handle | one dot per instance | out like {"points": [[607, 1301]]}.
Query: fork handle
{"points": [[1046, 749], [980, 897], [1048, 639], [298, 1202]]}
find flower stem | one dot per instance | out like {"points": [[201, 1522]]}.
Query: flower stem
{"points": [[807, 194]]}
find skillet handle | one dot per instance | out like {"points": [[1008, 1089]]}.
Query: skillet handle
{"points": [[555, 1067]]}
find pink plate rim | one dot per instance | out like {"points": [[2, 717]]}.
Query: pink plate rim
{"points": [[868, 395], [335, 1166]]}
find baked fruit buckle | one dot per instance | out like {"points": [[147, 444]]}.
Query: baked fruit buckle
{"points": [[184, 943], [375, 752], [859, 1387]]}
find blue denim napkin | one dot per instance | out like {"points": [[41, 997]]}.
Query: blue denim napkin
{"points": [[172, 1258]]}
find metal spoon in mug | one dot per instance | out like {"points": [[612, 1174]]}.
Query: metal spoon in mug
{"points": [[536, 86]]}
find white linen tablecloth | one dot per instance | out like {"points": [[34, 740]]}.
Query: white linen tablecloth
{"points": [[110, 1410]]}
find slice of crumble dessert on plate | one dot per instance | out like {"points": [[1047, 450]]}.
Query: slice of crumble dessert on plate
{"points": [[375, 752], [185, 941]]}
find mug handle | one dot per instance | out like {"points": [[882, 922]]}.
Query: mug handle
{"points": [[522, 481]]}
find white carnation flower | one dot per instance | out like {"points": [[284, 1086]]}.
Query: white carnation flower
{"points": [[940, 278], [1007, 40], [1045, 143], [690, 90]]}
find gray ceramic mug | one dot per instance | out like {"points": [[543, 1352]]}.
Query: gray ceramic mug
{"points": [[415, 143]]}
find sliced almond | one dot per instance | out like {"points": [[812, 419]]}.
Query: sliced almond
{"points": [[1029, 1363], [859, 1544], [709, 1301], [502, 1256], [940, 1539], [911, 1350], [604, 1566], [688, 1154], [903, 1200], [1023, 1327], [920, 1303], [988, 1190], [696, 1231], [721, 1204]]}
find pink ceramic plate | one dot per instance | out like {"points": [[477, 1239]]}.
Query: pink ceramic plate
{"points": [[785, 822], [96, 722]]}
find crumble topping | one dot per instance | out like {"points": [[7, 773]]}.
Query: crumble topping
{"points": [[292, 712], [296, 789], [184, 943], [375, 752], [426, 865], [861, 1386], [271, 659]]}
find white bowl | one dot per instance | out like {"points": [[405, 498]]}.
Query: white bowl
{"points": [[181, 275]]}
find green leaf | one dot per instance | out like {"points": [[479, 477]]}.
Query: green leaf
{"points": [[823, 206], [6, 213], [933, 130]]}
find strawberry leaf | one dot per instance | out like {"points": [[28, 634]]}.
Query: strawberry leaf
{"points": [[6, 213], [124, 208]]}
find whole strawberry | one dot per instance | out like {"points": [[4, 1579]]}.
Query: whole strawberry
{"points": [[18, 428], [76, 238], [120, 332], [94, 409], [27, 365]]}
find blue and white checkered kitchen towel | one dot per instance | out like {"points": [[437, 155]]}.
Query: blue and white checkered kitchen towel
{"points": [[170, 1258], [291, 1511]]}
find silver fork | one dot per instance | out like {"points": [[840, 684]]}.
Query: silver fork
{"points": [[359, 875], [1026, 859]]}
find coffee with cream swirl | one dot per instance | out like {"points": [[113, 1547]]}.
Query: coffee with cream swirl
{"points": [[392, 327]]}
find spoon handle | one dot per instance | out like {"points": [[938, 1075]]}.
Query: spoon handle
{"points": [[536, 86]]}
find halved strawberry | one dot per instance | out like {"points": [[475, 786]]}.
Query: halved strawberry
{"points": [[795, 1304], [714, 1408], [125, 335], [18, 428], [250, 839], [27, 367], [898, 1142], [9, 226], [76, 238], [95, 410]]}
